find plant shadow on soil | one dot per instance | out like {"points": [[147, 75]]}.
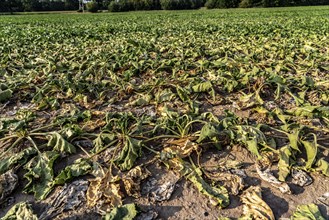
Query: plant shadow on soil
{"points": [[278, 204]]}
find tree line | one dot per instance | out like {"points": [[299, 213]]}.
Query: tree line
{"points": [[132, 5], [38, 5]]}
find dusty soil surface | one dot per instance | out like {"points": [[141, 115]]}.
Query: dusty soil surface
{"points": [[186, 202]]}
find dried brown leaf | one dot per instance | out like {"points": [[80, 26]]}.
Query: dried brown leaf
{"points": [[133, 179], [104, 193], [231, 181], [263, 167], [181, 147], [253, 205], [8, 183]]}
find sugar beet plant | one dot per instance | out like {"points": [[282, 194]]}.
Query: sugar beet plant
{"points": [[114, 88]]}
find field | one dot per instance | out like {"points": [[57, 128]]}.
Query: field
{"points": [[200, 114]]}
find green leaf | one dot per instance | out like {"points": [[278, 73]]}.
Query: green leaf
{"points": [[164, 96], [284, 162], [252, 146], [311, 111], [294, 139], [322, 166], [251, 137], [3, 86], [40, 174], [309, 212], [59, 144], [311, 151], [125, 212], [130, 152], [261, 110], [182, 94], [9, 123], [306, 111], [218, 195], [71, 130], [210, 132], [142, 101], [298, 100], [258, 98], [80, 167], [209, 116], [280, 114], [204, 87], [20, 211], [5, 95], [102, 140], [246, 97], [18, 158], [194, 107]]}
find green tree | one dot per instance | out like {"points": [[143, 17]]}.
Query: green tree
{"points": [[92, 6], [31, 5], [222, 3], [71, 4], [10, 6]]}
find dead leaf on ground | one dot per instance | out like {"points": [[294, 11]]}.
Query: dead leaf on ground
{"points": [[132, 180], [253, 205], [70, 197], [180, 148], [218, 195], [160, 189], [301, 178], [90, 126], [231, 181], [263, 167], [8, 183], [20, 211], [104, 193]]}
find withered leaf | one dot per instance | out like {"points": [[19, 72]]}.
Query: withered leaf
{"points": [[20, 211], [133, 179], [253, 205], [71, 197], [179, 148], [19, 158], [104, 193], [8, 183], [301, 178], [231, 181], [40, 174], [218, 195], [263, 167]]}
